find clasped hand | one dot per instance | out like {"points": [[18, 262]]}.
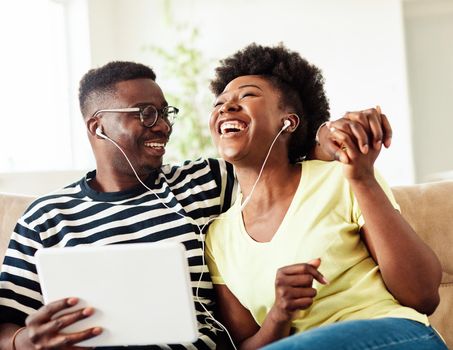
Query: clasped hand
{"points": [[356, 140]]}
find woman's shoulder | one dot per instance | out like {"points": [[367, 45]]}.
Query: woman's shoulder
{"points": [[318, 174], [321, 166]]}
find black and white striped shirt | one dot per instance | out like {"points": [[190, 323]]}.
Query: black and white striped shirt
{"points": [[78, 215]]}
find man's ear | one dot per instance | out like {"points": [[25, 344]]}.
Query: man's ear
{"points": [[92, 124]]}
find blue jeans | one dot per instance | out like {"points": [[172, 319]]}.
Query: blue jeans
{"points": [[382, 333]]}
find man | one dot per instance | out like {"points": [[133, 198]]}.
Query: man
{"points": [[124, 111]]}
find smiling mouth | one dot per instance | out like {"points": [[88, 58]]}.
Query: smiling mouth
{"points": [[232, 126], [155, 145]]}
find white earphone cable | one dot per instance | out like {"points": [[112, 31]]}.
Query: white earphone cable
{"points": [[247, 199], [222, 327], [211, 317]]}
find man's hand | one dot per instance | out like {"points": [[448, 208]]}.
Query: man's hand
{"points": [[365, 129], [360, 166], [43, 328], [294, 290]]}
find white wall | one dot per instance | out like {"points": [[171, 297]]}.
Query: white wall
{"points": [[429, 32], [79, 52], [32, 72], [44, 51], [38, 183], [358, 44]]}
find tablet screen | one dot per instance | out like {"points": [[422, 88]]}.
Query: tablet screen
{"points": [[141, 292]]}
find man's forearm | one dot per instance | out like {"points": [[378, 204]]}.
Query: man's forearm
{"points": [[6, 333], [318, 153]]}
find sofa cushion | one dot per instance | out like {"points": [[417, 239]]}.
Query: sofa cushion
{"points": [[429, 210], [11, 208]]}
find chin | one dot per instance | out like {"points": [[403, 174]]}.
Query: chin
{"points": [[231, 155], [153, 166]]}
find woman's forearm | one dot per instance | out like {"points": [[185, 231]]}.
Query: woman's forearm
{"points": [[271, 330], [243, 328], [410, 269]]}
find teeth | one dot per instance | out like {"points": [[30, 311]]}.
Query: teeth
{"points": [[154, 144], [232, 126]]}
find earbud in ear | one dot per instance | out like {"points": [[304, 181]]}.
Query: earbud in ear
{"points": [[286, 124], [100, 133]]}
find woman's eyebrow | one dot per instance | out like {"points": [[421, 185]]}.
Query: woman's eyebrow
{"points": [[249, 85], [243, 86]]}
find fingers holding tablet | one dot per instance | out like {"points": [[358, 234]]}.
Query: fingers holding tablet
{"points": [[44, 328]]}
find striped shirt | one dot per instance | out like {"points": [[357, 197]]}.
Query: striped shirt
{"points": [[78, 215]]}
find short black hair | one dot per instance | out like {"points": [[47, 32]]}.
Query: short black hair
{"points": [[100, 81], [300, 83]]}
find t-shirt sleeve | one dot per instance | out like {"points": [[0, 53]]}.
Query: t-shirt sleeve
{"points": [[20, 291], [387, 190], [210, 258]]}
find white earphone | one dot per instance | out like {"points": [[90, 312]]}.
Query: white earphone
{"points": [[100, 133], [286, 124]]}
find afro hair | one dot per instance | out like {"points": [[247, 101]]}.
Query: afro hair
{"points": [[301, 87]]}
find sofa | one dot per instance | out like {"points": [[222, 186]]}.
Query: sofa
{"points": [[427, 207]]}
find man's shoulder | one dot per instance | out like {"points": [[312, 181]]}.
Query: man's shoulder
{"points": [[188, 164], [50, 199], [198, 168]]}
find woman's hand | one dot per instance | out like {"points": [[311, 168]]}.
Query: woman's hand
{"points": [[358, 146], [43, 328], [366, 129], [294, 290]]}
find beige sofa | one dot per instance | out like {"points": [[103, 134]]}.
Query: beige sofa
{"points": [[427, 207]]}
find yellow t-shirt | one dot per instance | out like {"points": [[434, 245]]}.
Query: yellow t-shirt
{"points": [[322, 221]]}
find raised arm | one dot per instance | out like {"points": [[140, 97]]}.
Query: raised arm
{"points": [[364, 128], [409, 268]]}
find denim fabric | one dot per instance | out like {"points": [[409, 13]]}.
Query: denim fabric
{"points": [[383, 333]]}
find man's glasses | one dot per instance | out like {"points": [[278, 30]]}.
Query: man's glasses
{"points": [[148, 114]]}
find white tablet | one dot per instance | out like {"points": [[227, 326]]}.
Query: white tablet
{"points": [[141, 292]]}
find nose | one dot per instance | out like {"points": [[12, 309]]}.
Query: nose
{"points": [[229, 106], [161, 125]]}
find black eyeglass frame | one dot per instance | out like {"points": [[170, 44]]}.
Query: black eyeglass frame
{"points": [[164, 113]]}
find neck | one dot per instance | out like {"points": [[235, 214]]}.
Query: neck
{"points": [[109, 180], [279, 179]]}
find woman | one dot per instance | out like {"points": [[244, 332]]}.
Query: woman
{"points": [[295, 220]]}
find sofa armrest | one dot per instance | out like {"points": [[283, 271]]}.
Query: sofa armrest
{"points": [[429, 210], [12, 207]]}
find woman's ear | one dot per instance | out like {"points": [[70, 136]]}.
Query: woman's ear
{"points": [[294, 120]]}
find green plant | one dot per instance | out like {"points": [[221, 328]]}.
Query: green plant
{"points": [[187, 68]]}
